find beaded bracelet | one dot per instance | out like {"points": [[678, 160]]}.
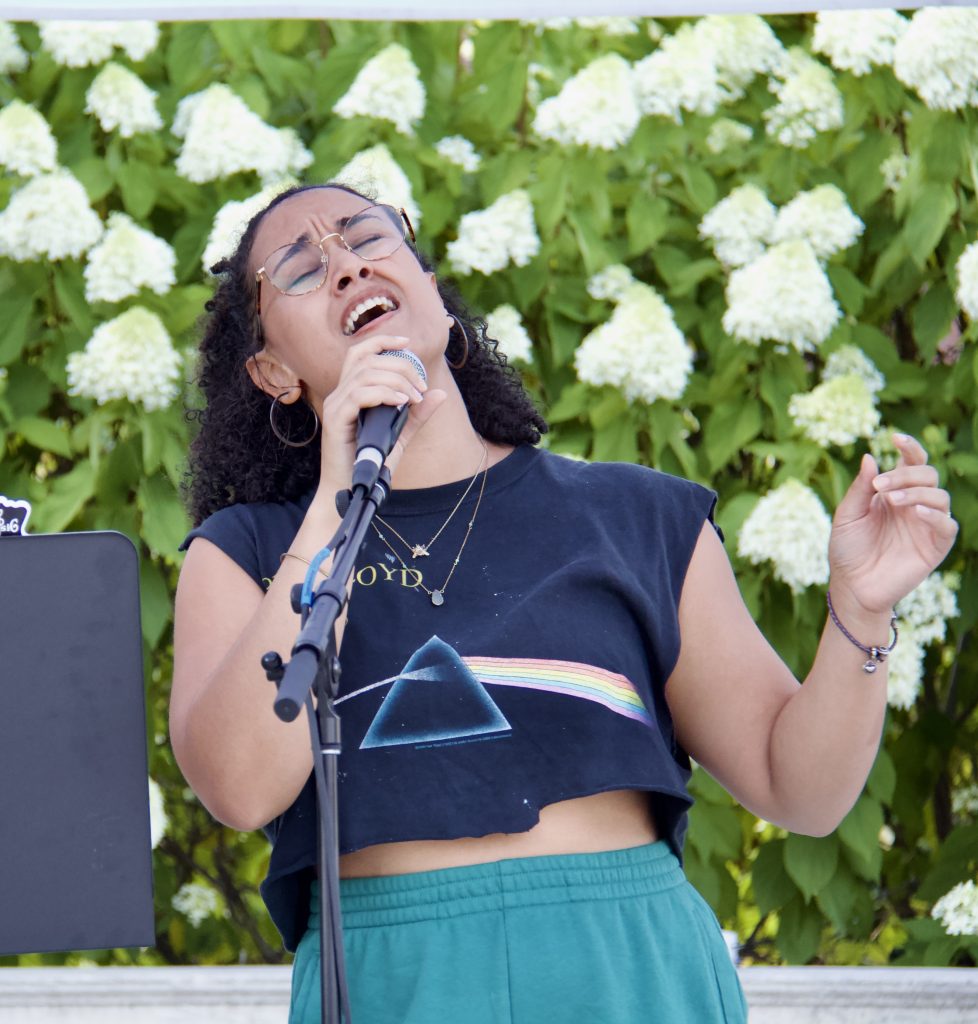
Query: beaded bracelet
{"points": [[877, 655]]}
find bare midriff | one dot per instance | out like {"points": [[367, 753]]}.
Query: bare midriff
{"points": [[589, 824]]}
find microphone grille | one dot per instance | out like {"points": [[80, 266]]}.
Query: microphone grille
{"points": [[403, 353]]}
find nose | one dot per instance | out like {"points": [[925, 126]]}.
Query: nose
{"points": [[343, 267]]}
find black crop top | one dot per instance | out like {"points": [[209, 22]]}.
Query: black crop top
{"points": [[539, 679]]}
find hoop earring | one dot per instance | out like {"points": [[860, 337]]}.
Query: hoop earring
{"points": [[286, 440], [465, 338]]}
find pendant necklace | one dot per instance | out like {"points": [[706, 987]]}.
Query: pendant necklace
{"points": [[437, 596], [423, 550]]}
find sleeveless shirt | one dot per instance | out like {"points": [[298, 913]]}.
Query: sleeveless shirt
{"points": [[541, 678]]}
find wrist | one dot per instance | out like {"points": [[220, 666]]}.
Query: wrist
{"points": [[869, 632]]}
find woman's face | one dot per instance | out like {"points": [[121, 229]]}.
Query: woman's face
{"points": [[310, 334]]}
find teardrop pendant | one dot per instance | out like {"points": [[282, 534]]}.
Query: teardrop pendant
{"points": [[437, 598]]}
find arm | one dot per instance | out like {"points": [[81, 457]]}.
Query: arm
{"points": [[799, 755], [245, 764]]}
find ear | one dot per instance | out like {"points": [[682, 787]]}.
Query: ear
{"points": [[272, 376], [433, 281]]}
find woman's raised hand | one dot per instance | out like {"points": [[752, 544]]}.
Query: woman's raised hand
{"points": [[890, 531], [369, 379]]}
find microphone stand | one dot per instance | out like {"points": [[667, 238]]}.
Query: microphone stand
{"points": [[315, 666]]}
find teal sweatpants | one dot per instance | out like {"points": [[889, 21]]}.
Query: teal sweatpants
{"points": [[607, 938]]}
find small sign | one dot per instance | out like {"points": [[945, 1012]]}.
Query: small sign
{"points": [[13, 516]]}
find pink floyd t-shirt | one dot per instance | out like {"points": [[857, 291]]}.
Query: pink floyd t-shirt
{"points": [[539, 678]]}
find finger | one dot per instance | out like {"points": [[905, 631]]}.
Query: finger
{"points": [[377, 343], [931, 497], [912, 452], [942, 523], [370, 376], [906, 476], [856, 501]]}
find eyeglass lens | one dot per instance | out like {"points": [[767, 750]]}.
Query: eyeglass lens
{"points": [[300, 267]]}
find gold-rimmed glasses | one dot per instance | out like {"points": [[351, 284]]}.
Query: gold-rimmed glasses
{"points": [[300, 267]]}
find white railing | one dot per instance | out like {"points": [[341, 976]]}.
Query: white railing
{"points": [[260, 995]]}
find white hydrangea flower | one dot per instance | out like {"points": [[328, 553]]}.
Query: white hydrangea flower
{"points": [[610, 283], [937, 57], [856, 40], [121, 100], [387, 87], [848, 359], [79, 44], [883, 450], [740, 225], [639, 350], [808, 101], [822, 217], [966, 271], [490, 239], [126, 259], [957, 910], [457, 149], [744, 46], [231, 220], [680, 75], [49, 218], [129, 357], [783, 296], [13, 57], [837, 411], [375, 172], [505, 324], [790, 528], [27, 145], [138, 39], [158, 820], [894, 169], [905, 671], [609, 26], [964, 801], [596, 107], [927, 608], [705, 64], [727, 134], [197, 901], [222, 136]]}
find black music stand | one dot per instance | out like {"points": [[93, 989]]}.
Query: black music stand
{"points": [[74, 809]]}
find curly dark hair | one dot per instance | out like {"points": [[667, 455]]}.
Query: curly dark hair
{"points": [[234, 456]]}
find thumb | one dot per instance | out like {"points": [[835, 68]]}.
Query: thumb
{"points": [[857, 500]]}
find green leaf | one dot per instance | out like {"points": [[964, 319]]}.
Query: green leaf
{"points": [[715, 830], [616, 442], [799, 932], [165, 523], [137, 183], [699, 186], [573, 402], [65, 500], [16, 311], [155, 603], [608, 409], [847, 903], [95, 176], [70, 289], [811, 861], [932, 318], [728, 429], [929, 217], [44, 435], [773, 887], [882, 777], [860, 830], [646, 219], [850, 291]]}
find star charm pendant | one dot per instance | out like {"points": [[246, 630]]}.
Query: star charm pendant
{"points": [[419, 551]]}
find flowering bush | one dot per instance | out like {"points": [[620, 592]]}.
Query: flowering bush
{"points": [[734, 248]]}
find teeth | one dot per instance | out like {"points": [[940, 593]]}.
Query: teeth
{"points": [[375, 300]]}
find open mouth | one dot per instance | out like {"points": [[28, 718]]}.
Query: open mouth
{"points": [[366, 311]]}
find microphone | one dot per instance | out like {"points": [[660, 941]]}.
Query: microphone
{"points": [[379, 428]]}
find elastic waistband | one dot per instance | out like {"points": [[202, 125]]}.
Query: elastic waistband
{"points": [[505, 885]]}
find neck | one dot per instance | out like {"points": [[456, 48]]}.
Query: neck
{"points": [[447, 447]]}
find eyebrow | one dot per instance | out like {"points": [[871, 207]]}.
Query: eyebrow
{"points": [[305, 237]]}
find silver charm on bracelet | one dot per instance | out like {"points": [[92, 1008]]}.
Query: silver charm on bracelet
{"points": [[877, 655]]}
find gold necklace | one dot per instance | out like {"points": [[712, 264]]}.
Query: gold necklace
{"points": [[422, 550], [437, 595]]}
